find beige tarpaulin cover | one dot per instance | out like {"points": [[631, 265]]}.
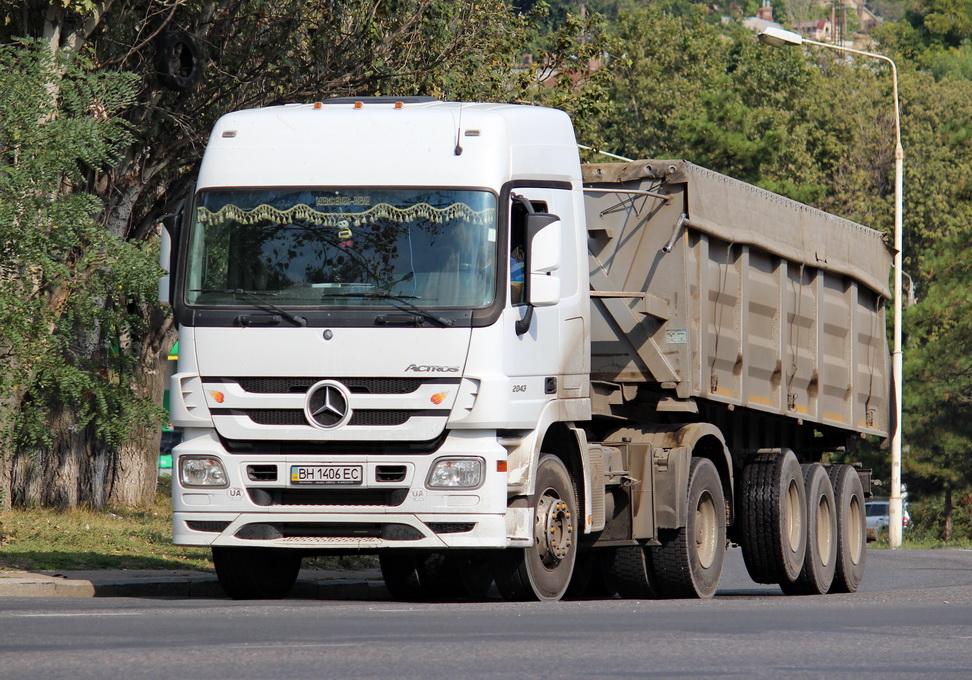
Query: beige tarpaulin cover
{"points": [[742, 213]]}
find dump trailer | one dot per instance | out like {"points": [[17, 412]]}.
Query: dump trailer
{"points": [[423, 330]]}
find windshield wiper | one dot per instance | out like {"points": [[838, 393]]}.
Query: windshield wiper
{"points": [[408, 306], [259, 302]]}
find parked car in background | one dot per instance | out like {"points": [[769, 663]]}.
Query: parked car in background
{"points": [[878, 512]]}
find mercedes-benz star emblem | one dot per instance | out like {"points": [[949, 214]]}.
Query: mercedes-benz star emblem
{"points": [[328, 405]]}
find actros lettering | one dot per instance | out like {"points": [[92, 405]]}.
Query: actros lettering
{"points": [[432, 369]]}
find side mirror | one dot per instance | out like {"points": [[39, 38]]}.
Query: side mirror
{"points": [[165, 261], [172, 224], [543, 259]]}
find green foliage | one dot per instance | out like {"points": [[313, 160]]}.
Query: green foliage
{"points": [[928, 518], [943, 22], [681, 87], [92, 333], [938, 372], [63, 272]]}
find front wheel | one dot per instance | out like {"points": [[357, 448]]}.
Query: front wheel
{"points": [[256, 573], [543, 572]]}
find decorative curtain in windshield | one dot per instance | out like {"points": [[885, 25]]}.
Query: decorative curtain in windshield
{"points": [[337, 248]]}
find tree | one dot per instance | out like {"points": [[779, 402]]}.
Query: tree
{"points": [[945, 22], [61, 269], [939, 379], [193, 61], [808, 126]]}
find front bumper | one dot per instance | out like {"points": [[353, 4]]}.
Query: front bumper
{"points": [[270, 511]]}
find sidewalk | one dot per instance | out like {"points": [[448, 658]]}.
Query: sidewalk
{"points": [[314, 584]]}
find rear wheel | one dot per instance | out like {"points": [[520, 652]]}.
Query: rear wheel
{"points": [[851, 529], [543, 571], [773, 517], [688, 563], [399, 569], [256, 573], [435, 575], [631, 573], [821, 559], [591, 577]]}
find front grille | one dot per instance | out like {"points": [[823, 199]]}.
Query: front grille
{"points": [[283, 530], [212, 527], [271, 416], [451, 527], [261, 473], [390, 473], [354, 385], [293, 417], [387, 418], [339, 448], [270, 496]]}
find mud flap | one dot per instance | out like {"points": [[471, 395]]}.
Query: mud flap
{"points": [[670, 471]]}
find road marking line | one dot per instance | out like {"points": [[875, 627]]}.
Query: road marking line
{"points": [[72, 614]]}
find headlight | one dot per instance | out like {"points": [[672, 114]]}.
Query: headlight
{"points": [[201, 471], [456, 473]]}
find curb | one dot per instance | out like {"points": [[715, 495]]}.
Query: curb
{"points": [[183, 585]]}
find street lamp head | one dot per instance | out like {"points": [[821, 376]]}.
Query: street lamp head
{"points": [[777, 37]]}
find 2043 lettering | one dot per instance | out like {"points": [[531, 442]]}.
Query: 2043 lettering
{"points": [[519, 388]]}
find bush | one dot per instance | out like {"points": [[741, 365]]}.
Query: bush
{"points": [[928, 517]]}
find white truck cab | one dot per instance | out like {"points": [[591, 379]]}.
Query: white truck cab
{"points": [[381, 314]]}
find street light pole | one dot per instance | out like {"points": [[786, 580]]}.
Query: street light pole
{"points": [[777, 37]]}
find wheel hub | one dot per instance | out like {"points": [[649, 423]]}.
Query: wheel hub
{"points": [[554, 530]]}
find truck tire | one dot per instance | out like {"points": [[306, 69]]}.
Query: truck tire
{"points": [[256, 573], [412, 575], [543, 572], [592, 578], [773, 517], [851, 529], [399, 570], [631, 573], [463, 574], [820, 562], [688, 563]]}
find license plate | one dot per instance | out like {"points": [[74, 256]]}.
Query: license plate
{"points": [[326, 474]]}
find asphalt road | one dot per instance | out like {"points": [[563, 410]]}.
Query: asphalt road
{"points": [[911, 619]]}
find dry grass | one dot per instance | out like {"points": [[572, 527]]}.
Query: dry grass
{"points": [[42, 539]]}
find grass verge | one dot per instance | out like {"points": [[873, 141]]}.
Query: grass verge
{"points": [[43, 539], [922, 543]]}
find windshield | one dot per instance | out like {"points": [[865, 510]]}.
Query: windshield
{"points": [[316, 247]]}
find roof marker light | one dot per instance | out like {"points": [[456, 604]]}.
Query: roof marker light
{"points": [[318, 105], [399, 105], [359, 105]]}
